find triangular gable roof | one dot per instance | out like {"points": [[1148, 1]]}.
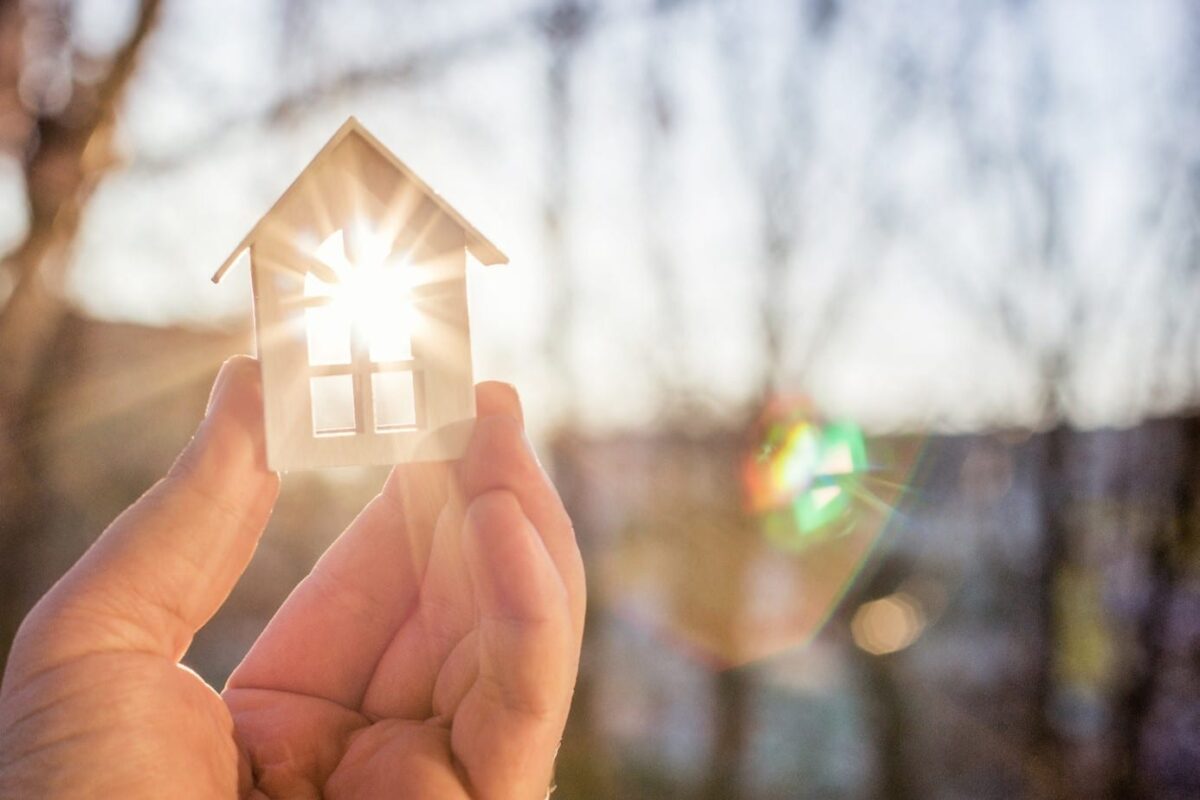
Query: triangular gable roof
{"points": [[479, 245]]}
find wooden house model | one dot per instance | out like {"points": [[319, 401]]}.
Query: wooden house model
{"points": [[360, 311]]}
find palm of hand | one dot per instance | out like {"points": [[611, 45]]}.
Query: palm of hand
{"points": [[431, 652], [412, 714]]}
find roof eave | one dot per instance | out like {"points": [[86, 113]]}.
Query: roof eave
{"points": [[485, 252], [479, 245], [234, 256]]}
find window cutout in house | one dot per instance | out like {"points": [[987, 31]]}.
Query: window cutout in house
{"points": [[390, 337], [329, 336], [315, 287], [395, 400], [333, 404]]}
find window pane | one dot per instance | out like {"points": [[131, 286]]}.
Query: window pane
{"points": [[315, 287], [395, 400], [333, 404], [389, 337], [328, 336]]}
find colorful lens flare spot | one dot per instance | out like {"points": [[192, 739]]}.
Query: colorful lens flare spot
{"points": [[803, 478]]}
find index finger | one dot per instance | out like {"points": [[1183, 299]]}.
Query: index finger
{"points": [[500, 458]]}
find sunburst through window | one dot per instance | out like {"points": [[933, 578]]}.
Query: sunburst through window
{"points": [[358, 326]]}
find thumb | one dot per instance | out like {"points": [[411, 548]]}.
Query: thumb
{"points": [[164, 567]]}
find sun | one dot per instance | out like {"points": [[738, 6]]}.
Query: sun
{"points": [[372, 294]]}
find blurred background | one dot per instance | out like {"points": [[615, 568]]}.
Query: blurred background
{"points": [[862, 338]]}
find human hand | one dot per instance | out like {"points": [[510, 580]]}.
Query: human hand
{"points": [[431, 652]]}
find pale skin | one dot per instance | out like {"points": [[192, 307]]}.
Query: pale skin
{"points": [[431, 652]]}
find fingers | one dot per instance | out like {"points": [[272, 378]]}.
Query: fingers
{"points": [[497, 399], [340, 623], [507, 729], [326, 639], [382, 610], [500, 457], [421, 489], [168, 562]]}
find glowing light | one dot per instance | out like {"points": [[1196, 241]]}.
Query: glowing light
{"points": [[824, 495], [803, 477], [887, 625], [372, 294]]}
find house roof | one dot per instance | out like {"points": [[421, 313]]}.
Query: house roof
{"points": [[478, 244]]}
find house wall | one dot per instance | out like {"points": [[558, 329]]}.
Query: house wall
{"points": [[441, 349]]}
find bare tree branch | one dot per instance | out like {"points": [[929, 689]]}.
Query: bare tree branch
{"points": [[67, 156], [420, 63]]}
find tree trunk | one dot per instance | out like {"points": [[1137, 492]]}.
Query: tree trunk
{"points": [[1046, 744], [584, 770], [732, 699], [1175, 533], [67, 156], [887, 719]]}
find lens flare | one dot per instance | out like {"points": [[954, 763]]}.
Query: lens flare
{"points": [[804, 477], [887, 625], [733, 548]]}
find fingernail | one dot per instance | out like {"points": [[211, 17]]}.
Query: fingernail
{"points": [[233, 416], [224, 379], [517, 407]]}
